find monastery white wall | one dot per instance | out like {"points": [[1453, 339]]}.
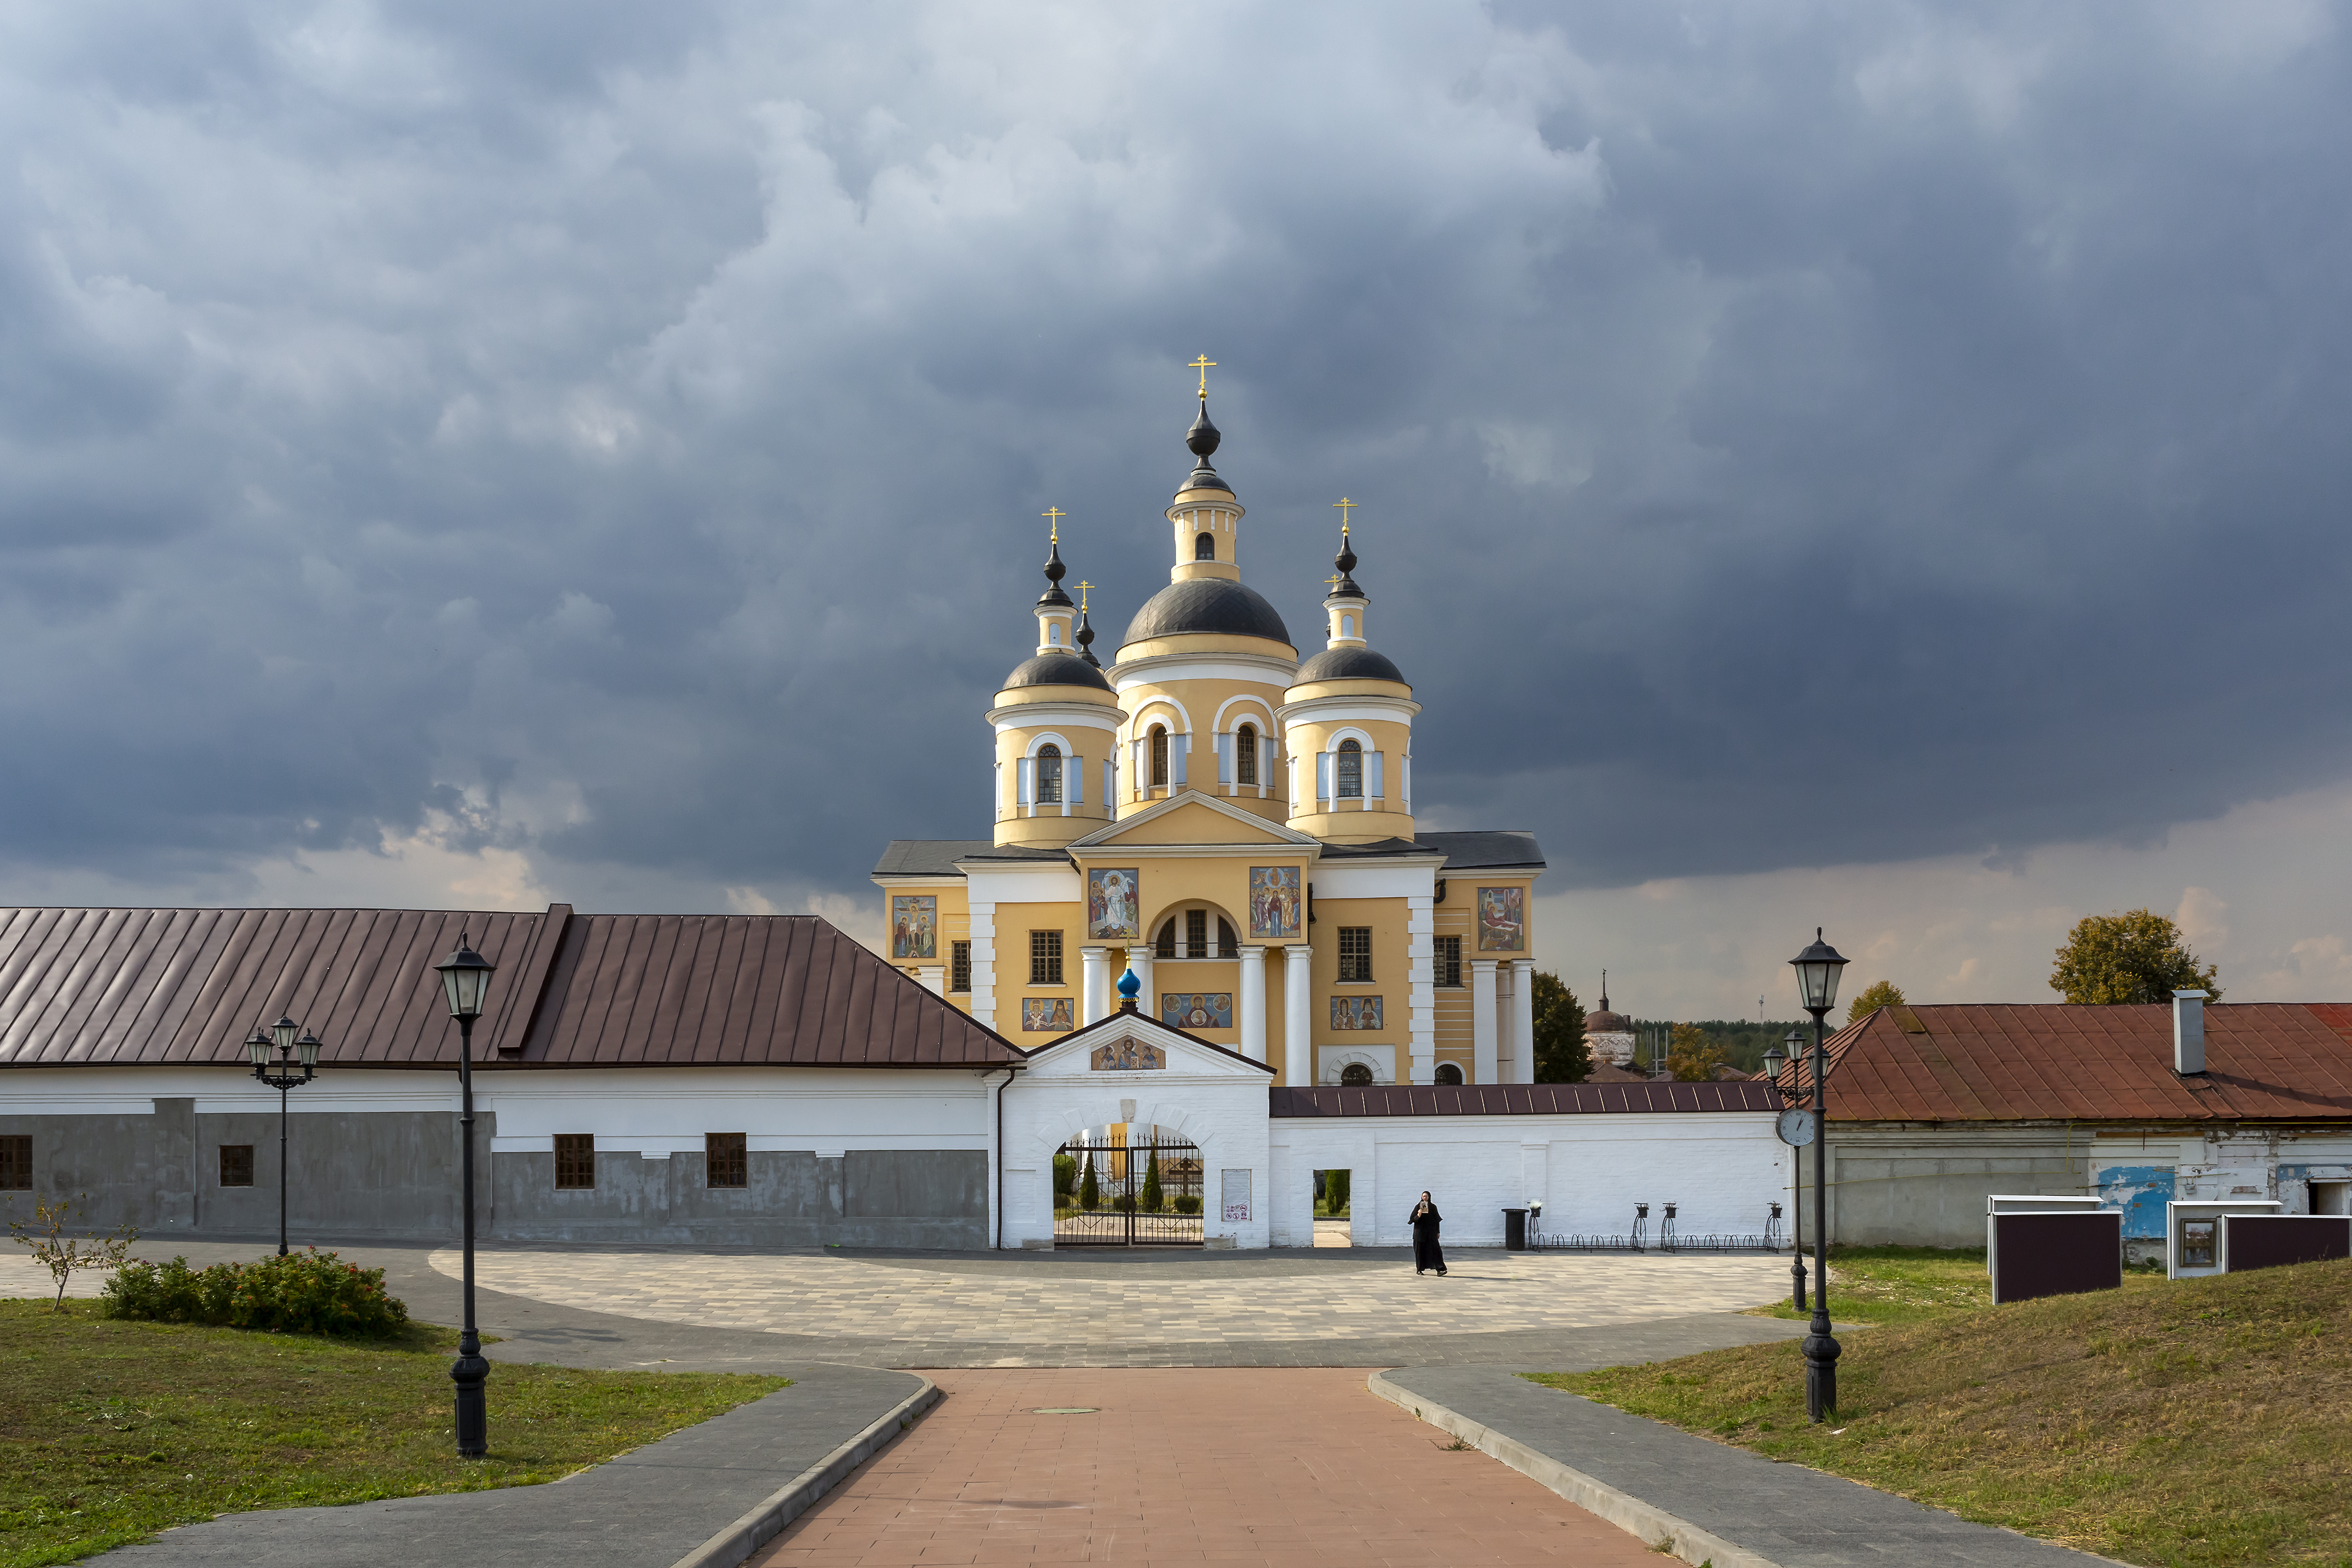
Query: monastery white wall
{"points": [[1723, 1170]]}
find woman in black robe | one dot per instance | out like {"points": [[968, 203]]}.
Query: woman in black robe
{"points": [[1426, 1254]]}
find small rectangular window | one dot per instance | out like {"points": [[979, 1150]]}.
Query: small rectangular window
{"points": [[724, 1163], [1196, 934], [1045, 957], [1449, 960], [16, 1162], [1355, 954], [1245, 756], [1159, 759], [575, 1160], [959, 966], [236, 1164]]}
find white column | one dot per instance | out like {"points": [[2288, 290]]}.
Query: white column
{"points": [[934, 977], [1298, 1016], [1147, 1000], [1094, 985], [1421, 947], [1523, 1021], [1483, 1044], [1253, 1002], [983, 963]]}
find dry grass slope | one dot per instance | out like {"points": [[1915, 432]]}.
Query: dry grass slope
{"points": [[2197, 1424]]}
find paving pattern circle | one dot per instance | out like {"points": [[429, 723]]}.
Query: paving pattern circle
{"points": [[1044, 1304]]}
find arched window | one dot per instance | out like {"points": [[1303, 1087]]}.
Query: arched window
{"points": [[1158, 756], [1049, 775], [1052, 633], [1227, 947], [1204, 546], [1449, 1072], [1346, 625], [1355, 1075], [1245, 755], [1165, 946], [1350, 785]]}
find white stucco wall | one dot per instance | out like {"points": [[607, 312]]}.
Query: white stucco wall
{"points": [[1721, 1169]]}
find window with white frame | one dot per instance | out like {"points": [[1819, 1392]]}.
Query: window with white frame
{"points": [[1049, 775], [1349, 771], [1245, 755]]}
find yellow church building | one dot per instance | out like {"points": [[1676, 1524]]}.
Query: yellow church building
{"points": [[1234, 826]]}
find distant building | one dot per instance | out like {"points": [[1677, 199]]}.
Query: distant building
{"points": [[1610, 1035]]}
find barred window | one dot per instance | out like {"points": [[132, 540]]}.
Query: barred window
{"points": [[1049, 775], [1355, 1075], [1159, 756], [1449, 1072], [1045, 957], [1350, 785], [1204, 546], [724, 1163], [1355, 954], [1196, 934], [236, 1164], [16, 1162], [1449, 960], [959, 965], [1226, 947], [575, 1160], [1245, 756], [1164, 944]]}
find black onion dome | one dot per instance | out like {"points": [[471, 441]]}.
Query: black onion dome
{"points": [[1055, 571], [1203, 439], [1349, 664], [1345, 561], [1084, 637], [1217, 606], [1055, 670]]}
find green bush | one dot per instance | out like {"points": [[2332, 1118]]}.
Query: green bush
{"points": [[1334, 1192], [304, 1292], [1066, 1175], [1151, 1186], [1188, 1203], [1089, 1189]]}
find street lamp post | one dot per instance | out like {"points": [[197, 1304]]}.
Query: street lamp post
{"points": [[1774, 1059], [1817, 981], [466, 978], [289, 1049]]}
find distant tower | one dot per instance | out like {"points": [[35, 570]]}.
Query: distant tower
{"points": [[1056, 726], [1609, 1035]]}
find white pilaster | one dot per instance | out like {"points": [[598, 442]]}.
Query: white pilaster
{"points": [[1298, 1016], [1484, 1062], [1523, 1021], [1094, 985], [1421, 947], [1251, 1002], [934, 977], [983, 963]]}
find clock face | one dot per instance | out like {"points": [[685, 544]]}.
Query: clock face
{"points": [[1796, 1127]]}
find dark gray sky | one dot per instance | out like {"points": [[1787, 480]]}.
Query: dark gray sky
{"points": [[596, 451]]}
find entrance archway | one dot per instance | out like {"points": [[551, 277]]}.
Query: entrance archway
{"points": [[1128, 1186]]}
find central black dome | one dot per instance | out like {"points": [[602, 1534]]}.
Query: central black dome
{"points": [[1217, 606]]}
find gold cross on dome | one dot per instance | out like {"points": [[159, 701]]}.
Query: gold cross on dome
{"points": [[1053, 516], [1343, 504], [1082, 596], [1204, 365]]}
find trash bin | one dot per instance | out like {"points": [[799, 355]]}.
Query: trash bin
{"points": [[1515, 1231]]}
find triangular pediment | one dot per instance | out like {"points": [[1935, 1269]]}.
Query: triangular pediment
{"points": [[1191, 817], [1138, 1043]]}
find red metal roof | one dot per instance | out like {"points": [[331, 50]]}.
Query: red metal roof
{"points": [[2057, 1060], [1523, 1099], [118, 987]]}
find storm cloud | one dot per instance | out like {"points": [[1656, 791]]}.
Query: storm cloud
{"points": [[613, 437]]}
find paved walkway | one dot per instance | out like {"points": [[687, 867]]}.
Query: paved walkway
{"points": [[1793, 1516], [644, 1509], [1288, 1468]]}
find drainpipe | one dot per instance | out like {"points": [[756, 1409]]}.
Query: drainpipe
{"points": [[1010, 1069]]}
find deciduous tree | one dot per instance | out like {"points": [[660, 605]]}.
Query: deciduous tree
{"points": [[1692, 1055], [1561, 1054], [1884, 994], [2133, 957]]}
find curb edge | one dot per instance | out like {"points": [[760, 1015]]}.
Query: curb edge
{"points": [[1646, 1523], [767, 1519]]}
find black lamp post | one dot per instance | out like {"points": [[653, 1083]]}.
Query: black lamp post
{"points": [[1794, 1096], [257, 1046], [1817, 981], [465, 976]]}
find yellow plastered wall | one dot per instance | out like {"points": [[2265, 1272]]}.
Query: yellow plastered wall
{"points": [[1171, 704], [1456, 1040], [1351, 821], [1084, 748], [1392, 973], [1015, 921]]}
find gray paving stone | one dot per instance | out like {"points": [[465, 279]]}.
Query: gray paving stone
{"points": [[1796, 1516]]}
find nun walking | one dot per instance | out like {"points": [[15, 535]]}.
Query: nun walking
{"points": [[1426, 1253]]}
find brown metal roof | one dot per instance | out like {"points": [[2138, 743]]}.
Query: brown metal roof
{"points": [[118, 987], [1523, 1099], [2057, 1060]]}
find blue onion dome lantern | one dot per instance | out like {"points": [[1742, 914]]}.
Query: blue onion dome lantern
{"points": [[1127, 986]]}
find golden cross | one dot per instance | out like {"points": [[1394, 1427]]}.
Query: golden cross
{"points": [[1054, 515], [1334, 581], [1204, 365], [1082, 596], [1343, 504]]}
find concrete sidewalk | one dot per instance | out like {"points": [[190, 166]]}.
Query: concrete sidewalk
{"points": [[1772, 1513], [650, 1508]]}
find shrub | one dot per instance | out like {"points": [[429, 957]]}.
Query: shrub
{"points": [[1335, 1191], [304, 1292], [1151, 1184], [1188, 1203], [1066, 1175]]}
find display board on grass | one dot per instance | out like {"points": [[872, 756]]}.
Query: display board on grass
{"points": [[2279, 1240], [2037, 1246]]}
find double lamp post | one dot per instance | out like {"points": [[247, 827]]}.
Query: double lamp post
{"points": [[1817, 967]]}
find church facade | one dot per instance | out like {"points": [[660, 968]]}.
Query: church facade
{"points": [[1233, 825]]}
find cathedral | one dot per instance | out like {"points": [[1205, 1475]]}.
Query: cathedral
{"points": [[1232, 826]]}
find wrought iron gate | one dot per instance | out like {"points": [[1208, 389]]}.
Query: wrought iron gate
{"points": [[1128, 1187]]}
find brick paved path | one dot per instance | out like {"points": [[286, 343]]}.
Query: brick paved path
{"points": [[1286, 1466]]}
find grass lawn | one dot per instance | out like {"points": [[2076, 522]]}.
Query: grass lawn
{"points": [[110, 1431], [1905, 1284], [2189, 1423]]}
